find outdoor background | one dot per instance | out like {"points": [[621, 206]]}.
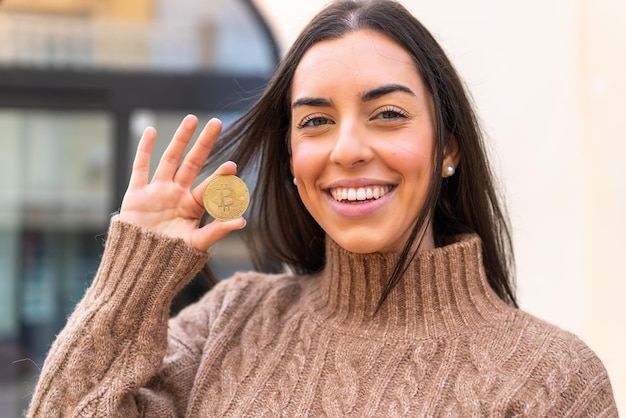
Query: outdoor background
{"points": [[80, 79]]}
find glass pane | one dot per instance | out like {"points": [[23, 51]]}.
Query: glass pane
{"points": [[55, 198]]}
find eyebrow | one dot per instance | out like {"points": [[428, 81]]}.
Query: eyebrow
{"points": [[384, 90], [367, 96], [311, 101]]}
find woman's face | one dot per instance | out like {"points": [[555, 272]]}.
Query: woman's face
{"points": [[362, 138]]}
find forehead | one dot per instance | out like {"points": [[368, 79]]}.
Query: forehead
{"points": [[362, 56]]}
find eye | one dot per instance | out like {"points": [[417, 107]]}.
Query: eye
{"points": [[391, 112], [314, 121]]}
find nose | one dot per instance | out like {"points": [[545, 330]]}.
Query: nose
{"points": [[351, 147]]}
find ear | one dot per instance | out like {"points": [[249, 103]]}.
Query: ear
{"points": [[451, 156]]}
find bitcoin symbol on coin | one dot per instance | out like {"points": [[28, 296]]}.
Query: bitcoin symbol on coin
{"points": [[226, 197]]}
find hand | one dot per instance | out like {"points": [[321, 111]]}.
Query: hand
{"points": [[167, 204]]}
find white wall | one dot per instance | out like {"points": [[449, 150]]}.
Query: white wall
{"points": [[549, 82]]}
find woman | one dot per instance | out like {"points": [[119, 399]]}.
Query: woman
{"points": [[374, 190]]}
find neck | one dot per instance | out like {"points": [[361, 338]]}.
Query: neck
{"points": [[443, 291]]}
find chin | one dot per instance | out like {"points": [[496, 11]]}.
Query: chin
{"points": [[362, 247]]}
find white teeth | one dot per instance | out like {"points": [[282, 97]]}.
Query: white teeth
{"points": [[361, 193]]}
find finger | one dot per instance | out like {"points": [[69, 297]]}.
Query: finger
{"points": [[174, 152], [228, 167], [141, 164], [196, 157], [210, 234]]}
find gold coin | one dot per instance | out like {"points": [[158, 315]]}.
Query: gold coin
{"points": [[226, 197]]}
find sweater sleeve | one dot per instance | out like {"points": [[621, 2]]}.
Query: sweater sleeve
{"points": [[114, 343], [589, 393]]}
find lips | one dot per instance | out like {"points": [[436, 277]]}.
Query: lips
{"points": [[355, 194]]}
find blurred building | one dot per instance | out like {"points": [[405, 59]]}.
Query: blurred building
{"points": [[79, 81]]}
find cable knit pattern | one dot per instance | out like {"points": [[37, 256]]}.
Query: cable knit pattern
{"points": [[443, 344]]}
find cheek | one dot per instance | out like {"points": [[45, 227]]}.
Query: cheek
{"points": [[411, 155], [298, 164], [307, 160]]}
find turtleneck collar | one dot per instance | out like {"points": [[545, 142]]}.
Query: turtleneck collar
{"points": [[444, 291]]}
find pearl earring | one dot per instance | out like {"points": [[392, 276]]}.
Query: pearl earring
{"points": [[295, 182], [449, 170]]}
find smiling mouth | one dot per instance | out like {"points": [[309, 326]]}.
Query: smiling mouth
{"points": [[359, 194]]}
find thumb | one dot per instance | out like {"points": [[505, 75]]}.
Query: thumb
{"points": [[207, 236]]}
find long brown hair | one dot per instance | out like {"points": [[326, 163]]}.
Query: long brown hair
{"points": [[467, 202]]}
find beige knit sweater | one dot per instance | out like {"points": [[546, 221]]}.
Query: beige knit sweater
{"points": [[279, 345]]}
